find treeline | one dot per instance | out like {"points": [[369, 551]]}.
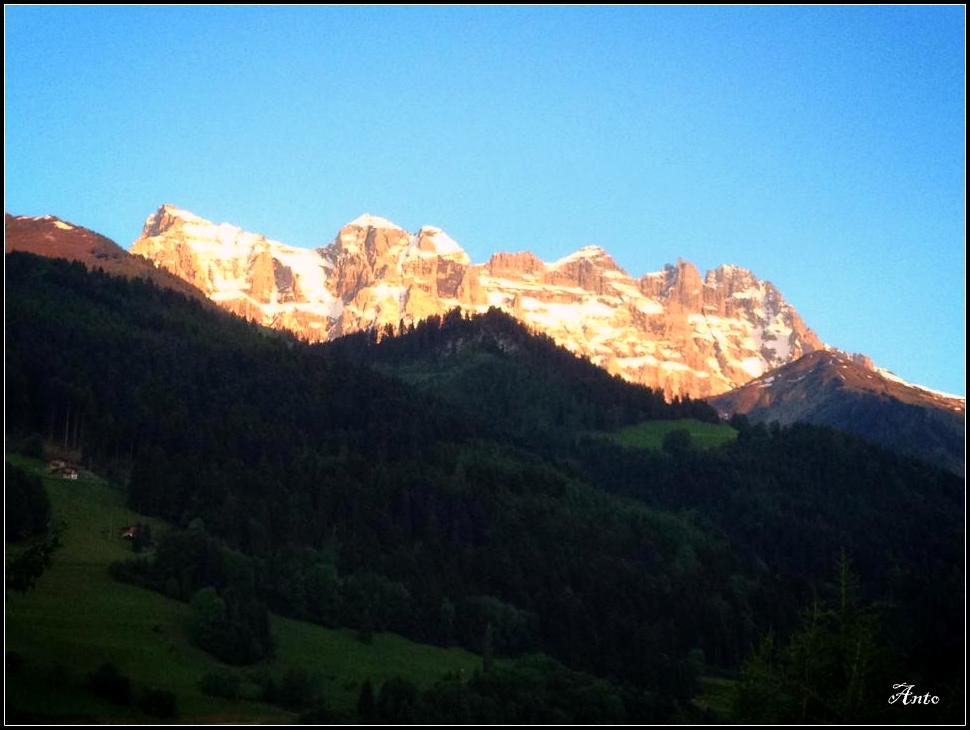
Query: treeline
{"points": [[534, 690], [520, 381]]}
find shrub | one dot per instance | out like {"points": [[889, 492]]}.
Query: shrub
{"points": [[25, 569], [365, 703], [234, 627], [32, 445], [15, 662], [398, 702], [296, 689], [322, 715], [220, 684], [108, 683], [158, 703], [142, 539], [678, 442], [27, 508]]}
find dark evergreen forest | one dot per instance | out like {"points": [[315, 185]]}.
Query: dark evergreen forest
{"points": [[452, 483]]}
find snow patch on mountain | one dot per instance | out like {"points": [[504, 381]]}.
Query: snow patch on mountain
{"points": [[586, 252], [673, 329], [890, 375], [366, 220]]}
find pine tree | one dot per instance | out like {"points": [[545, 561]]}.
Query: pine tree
{"points": [[831, 670], [365, 703], [488, 658]]}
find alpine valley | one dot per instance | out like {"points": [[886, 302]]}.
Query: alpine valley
{"points": [[377, 483]]}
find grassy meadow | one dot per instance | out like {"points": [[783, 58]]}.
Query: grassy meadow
{"points": [[78, 617], [650, 434]]}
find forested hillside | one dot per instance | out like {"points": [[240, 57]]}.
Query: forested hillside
{"points": [[465, 491], [789, 501]]}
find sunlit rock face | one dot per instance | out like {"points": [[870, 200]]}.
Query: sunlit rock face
{"points": [[674, 330], [246, 273], [671, 330], [847, 392]]}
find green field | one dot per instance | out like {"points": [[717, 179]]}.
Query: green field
{"points": [[78, 617], [716, 696], [650, 434]]}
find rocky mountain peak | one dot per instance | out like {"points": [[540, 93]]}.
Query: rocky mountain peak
{"points": [[167, 216], [727, 271], [673, 330], [370, 234], [683, 284], [56, 238], [520, 263], [432, 240], [596, 255], [366, 220], [834, 388]]}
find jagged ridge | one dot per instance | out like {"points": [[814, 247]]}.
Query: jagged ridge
{"points": [[672, 330], [56, 238], [833, 389]]}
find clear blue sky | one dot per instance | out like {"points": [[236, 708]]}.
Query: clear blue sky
{"points": [[822, 148]]}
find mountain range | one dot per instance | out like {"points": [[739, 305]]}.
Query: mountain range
{"points": [[727, 336], [672, 330], [464, 483]]}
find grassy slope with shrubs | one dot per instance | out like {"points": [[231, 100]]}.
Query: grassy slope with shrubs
{"points": [[78, 617]]}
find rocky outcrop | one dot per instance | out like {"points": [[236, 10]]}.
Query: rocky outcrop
{"points": [[521, 263], [56, 238], [832, 388], [246, 273], [675, 330], [382, 275]]}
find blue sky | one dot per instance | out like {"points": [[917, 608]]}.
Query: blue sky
{"points": [[823, 148]]}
